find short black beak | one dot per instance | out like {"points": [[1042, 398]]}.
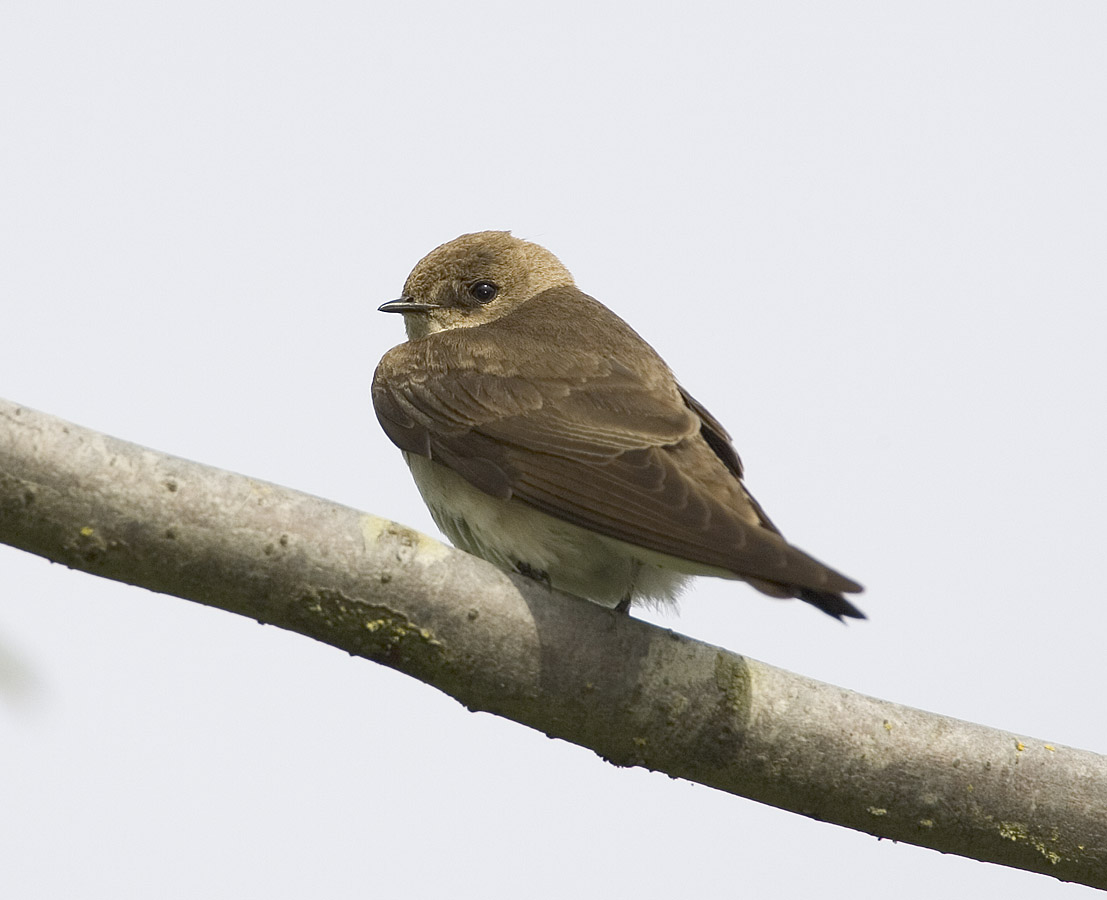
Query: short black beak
{"points": [[405, 305]]}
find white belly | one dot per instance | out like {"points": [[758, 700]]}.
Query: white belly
{"points": [[508, 533]]}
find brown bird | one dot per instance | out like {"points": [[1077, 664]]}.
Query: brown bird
{"points": [[550, 439]]}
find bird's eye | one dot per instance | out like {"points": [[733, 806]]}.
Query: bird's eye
{"points": [[483, 291]]}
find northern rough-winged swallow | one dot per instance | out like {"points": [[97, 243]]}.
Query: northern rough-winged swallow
{"points": [[550, 439]]}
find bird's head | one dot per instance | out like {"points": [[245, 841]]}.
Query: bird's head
{"points": [[475, 279]]}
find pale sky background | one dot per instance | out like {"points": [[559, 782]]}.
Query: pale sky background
{"points": [[870, 237]]}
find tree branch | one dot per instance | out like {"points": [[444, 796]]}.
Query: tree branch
{"points": [[636, 694]]}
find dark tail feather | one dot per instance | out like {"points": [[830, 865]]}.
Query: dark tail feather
{"points": [[832, 604]]}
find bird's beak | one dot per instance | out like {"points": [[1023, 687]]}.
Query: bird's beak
{"points": [[405, 305]]}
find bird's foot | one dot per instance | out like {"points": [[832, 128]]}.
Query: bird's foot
{"points": [[529, 571]]}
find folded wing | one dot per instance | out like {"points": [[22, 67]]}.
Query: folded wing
{"points": [[607, 444]]}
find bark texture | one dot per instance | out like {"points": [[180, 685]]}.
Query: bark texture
{"points": [[636, 694]]}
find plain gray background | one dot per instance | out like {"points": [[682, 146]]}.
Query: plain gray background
{"points": [[868, 236]]}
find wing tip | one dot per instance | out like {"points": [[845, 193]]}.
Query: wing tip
{"points": [[834, 605]]}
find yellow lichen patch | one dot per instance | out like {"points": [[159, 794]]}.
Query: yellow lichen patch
{"points": [[374, 630], [1050, 748], [1020, 746], [375, 529], [1048, 852], [1015, 832], [877, 811], [887, 725], [372, 527], [261, 488], [88, 531], [926, 823], [732, 677], [396, 628]]}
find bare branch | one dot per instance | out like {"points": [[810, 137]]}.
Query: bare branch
{"points": [[636, 694]]}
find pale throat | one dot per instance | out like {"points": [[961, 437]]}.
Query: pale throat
{"points": [[419, 325]]}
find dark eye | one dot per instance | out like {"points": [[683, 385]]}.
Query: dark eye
{"points": [[483, 291]]}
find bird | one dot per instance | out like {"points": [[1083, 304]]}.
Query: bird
{"points": [[547, 437]]}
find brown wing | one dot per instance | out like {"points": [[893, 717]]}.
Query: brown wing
{"points": [[607, 441]]}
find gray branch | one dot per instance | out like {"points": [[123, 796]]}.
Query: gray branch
{"points": [[636, 694]]}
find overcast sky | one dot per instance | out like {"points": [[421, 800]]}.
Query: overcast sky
{"points": [[869, 237]]}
